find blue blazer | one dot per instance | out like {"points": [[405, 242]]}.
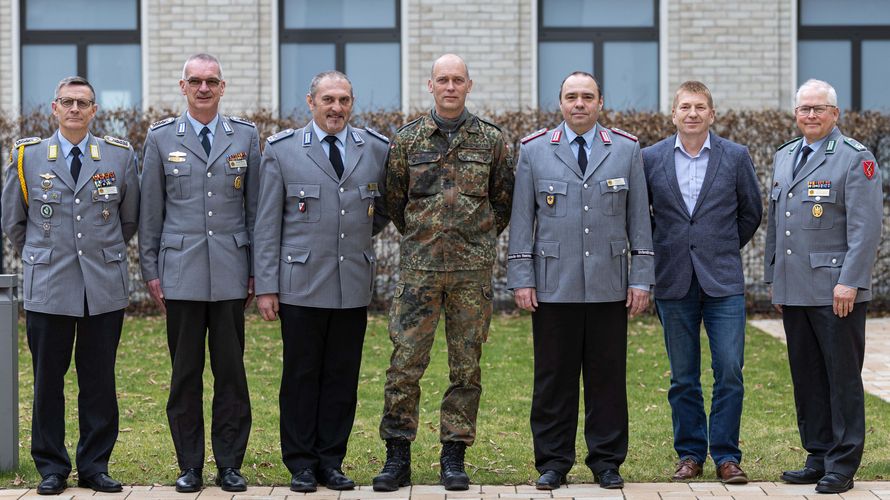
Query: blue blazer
{"points": [[707, 241]]}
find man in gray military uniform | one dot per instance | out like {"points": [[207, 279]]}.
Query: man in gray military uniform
{"points": [[70, 204], [823, 233], [200, 185], [580, 209], [315, 263]]}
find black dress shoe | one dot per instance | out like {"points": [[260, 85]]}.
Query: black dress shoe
{"points": [[833, 482], [52, 484], [610, 479], [334, 479], [303, 481], [807, 475], [550, 480], [230, 479], [101, 482], [189, 480]]}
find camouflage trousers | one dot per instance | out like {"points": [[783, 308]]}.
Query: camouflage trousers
{"points": [[417, 304]]}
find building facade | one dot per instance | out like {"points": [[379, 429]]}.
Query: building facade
{"points": [[751, 54]]}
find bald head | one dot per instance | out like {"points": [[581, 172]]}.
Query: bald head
{"points": [[450, 60]]}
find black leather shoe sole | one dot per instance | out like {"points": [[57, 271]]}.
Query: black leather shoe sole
{"points": [[833, 483]]}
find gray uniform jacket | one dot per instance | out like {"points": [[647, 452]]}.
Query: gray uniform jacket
{"points": [[824, 226], [73, 237], [197, 212], [571, 234], [313, 242]]}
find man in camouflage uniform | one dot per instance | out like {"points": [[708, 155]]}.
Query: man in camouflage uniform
{"points": [[448, 191]]}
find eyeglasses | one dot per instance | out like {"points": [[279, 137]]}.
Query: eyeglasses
{"points": [[195, 83], [817, 110], [67, 102]]}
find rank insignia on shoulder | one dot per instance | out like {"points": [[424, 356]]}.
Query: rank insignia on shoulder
{"points": [[280, 135], [52, 152], [830, 147], [868, 167], [605, 137], [226, 127], [117, 142], [161, 123], [853, 143], [534, 135], [377, 134], [792, 141], [554, 137], [243, 121], [357, 137], [27, 141], [625, 134]]}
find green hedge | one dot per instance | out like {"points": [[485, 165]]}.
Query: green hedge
{"points": [[761, 131]]}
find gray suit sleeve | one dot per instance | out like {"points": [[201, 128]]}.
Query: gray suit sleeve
{"points": [[129, 205], [520, 259], [750, 207], [252, 191], [639, 225], [769, 248], [267, 235], [15, 213], [152, 208], [864, 210]]}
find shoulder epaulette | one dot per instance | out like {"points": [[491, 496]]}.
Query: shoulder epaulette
{"points": [[483, 120], [280, 135], [792, 141], [117, 142], [243, 121], [411, 123], [377, 134], [537, 133], [161, 123], [853, 143], [27, 141], [625, 134]]}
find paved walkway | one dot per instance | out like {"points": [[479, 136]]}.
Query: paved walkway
{"points": [[865, 490], [876, 368]]}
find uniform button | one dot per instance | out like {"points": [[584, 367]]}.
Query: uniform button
{"points": [[787, 214], [341, 258], [80, 252], [791, 195], [209, 233], [106, 196], [586, 230], [551, 188], [542, 252], [31, 257], [209, 174], [77, 201], [342, 212], [614, 188], [818, 198], [302, 193], [586, 208], [80, 235], [288, 258], [585, 186], [209, 194], [341, 190], [834, 261], [78, 217], [45, 196], [175, 170], [586, 253], [118, 255], [788, 251], [342, 235], [623, 251], [210, 213], [787, 233]]}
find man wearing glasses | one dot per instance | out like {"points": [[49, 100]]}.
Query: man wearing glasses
{"points": [[70, 204], [200, 179], [823, 232]]}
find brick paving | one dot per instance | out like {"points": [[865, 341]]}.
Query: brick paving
{"points": [[876, 367]]}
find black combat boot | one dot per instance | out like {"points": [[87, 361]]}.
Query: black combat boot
{"points": [[397, 469], [452, 474]]}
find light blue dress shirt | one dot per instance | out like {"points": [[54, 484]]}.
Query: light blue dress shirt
{"points": [[197, 126], [588, 140], [67, 146], [341, 141], [691, 170], [814, 146]]}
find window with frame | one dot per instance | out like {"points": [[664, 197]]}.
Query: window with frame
{"points": [[103, 46], [361, 38], [616, 41], [846, 44]]}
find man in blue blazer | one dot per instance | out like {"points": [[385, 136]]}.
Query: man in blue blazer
{"points": [[706, 206]]}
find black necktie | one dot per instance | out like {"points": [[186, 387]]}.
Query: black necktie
{"points": [[205, 140], [582, 153], [805, 153], [334, 154], [75, 162]]}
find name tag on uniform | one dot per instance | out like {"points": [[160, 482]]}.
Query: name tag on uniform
{"points": [[818, 192], [108, 190], [616, 182]]}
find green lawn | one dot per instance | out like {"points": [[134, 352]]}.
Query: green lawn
{"points": [[503, 451]]}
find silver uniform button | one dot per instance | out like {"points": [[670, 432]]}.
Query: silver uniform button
{"points": [[77, 201], [788, 251], [288, 258], [45, 196], [175, 170], [78, 217], [31, 257], [210, 233], [342, 212], [791, 195], [586, 230], [585, 186], [587, 254], [341, 258], [551, 188], [586, 208], [342, 235], [302, 193], [787, 233], [818, 198], [210, 213], [341, 190], [209, 194], [787, 214], [623, 251], [80, 235], [209, 174], [80, 252]]}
